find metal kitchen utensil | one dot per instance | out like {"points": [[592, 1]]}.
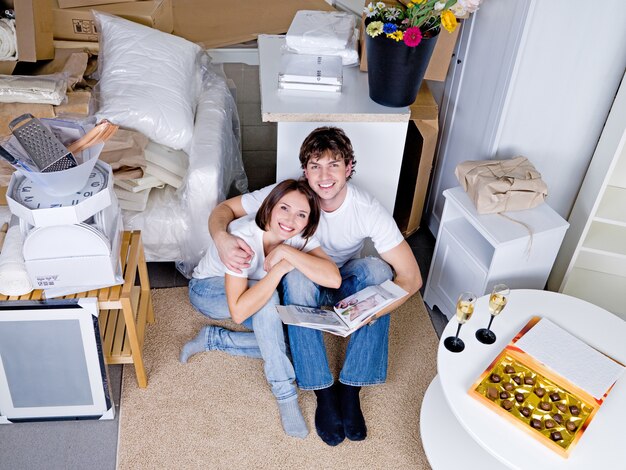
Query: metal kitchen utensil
{"points": [[48, 152]]}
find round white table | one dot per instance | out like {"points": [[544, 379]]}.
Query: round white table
{"points": [[492, 438]]}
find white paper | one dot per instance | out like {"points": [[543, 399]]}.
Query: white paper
{"points": [[570, 357]]}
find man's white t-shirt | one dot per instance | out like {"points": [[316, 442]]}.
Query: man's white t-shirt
{"points": [[342, 232], [247, 229]]}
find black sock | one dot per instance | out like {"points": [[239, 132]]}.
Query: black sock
{"points": [[353, 420], [328, 422]]}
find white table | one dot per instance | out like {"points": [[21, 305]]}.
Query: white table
{"points": [[378, 133], [491, 436]]}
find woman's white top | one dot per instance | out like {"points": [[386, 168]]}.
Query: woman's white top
{"points": [[247, 229]]}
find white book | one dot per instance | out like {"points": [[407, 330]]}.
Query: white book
{"points": [[309, 68], [175, 161], [309, 87], [136, 206], [139, 196], [139, 184], [348, 314], [163, 174]]}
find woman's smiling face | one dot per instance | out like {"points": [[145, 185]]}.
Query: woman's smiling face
{"points": [[290, 215]]}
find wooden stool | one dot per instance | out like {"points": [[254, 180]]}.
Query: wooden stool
{"points": [[124, 309]]}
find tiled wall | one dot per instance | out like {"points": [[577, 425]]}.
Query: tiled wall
{"points": [[258, 139]]}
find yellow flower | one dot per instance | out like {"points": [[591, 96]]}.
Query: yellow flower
{"points": [[410, 5], [448, 21], [397, 35], [419, 2]]}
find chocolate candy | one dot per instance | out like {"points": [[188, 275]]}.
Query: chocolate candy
{"points": [[517, 380], [495, 378], [525, 411], [574, 410], [507, 404], [562, 407], [540, 392], [555, 396], [571, 426], [535, 423], [550, 423], [519, 397], [492, 393], [556, 436], [529, 380], [504, 395], [508, 386], [545, 406], [558, 418], [509, 369]]}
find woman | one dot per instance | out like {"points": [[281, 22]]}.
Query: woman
{"points": [[281, 236]]}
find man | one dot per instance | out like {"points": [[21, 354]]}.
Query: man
{"points": [[349, 216]]}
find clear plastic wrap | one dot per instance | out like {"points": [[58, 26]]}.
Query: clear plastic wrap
{"points": [[42, 89], [324, 33], [175, 223]]}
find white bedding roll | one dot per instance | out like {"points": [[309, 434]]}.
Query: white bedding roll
{"points": [[14, 279]]}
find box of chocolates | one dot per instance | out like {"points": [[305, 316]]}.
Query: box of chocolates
{"points": [[537, 399]]}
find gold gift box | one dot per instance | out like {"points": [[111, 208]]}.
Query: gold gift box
{"points": [[557, 412]]}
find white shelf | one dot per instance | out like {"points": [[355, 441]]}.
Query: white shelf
{"points": [[612, 209], [604, 290], [606, 238], [604, 262]]}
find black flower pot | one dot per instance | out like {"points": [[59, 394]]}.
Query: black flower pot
{"points": [[395, 71]]}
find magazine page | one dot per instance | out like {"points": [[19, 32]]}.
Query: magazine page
{"points": [[316, 318], [358, 307]]}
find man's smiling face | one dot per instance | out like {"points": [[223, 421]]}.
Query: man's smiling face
{"points": [[327, 176]]}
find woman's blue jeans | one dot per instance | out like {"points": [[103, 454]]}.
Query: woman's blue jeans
{"points": [[366, 356], [267, 341]]}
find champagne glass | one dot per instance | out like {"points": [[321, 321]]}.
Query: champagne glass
{"points": [[464, 311], [497, 302]]}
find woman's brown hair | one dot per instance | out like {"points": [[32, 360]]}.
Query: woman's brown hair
{"points": [[263, 215]]}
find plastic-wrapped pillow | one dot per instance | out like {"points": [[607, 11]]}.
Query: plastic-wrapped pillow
{"points": [[149, 81]]}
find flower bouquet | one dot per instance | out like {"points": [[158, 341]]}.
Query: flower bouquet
{"points": [[400, 40]]}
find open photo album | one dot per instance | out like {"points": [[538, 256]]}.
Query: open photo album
{"points": [[348, 314]]}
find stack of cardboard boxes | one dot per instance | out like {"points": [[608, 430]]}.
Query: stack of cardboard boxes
{"points": [[73, 21]]}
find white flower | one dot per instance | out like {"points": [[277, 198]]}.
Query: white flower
{"points": [[369, 10], [392, 14], [458, 10], [470, 5], [439, 6], [380, 5]]}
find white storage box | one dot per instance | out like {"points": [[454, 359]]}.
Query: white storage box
{"points": [[73, 255]]}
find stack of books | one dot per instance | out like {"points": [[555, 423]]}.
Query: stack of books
{"points": [[163, 166], [310, 72]]}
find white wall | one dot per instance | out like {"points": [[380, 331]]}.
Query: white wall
{"points": [[536, 78]]}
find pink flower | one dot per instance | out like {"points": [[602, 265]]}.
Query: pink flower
{"points": [[412, 36]]}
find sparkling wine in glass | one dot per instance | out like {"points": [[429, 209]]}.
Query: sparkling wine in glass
{"points": [[464, 311], [497, 301]]}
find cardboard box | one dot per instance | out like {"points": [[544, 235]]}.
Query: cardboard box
{"points": [[78, 24], [439, 62], [417, 162], [33, 27], [86, 3], [213, 23]]}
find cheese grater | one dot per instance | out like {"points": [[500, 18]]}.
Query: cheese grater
{"points": [[48, 153]]}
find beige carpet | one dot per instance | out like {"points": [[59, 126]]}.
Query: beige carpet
{"points": [[217, 411]]}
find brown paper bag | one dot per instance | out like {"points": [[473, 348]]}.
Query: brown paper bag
{"points": [[502, 185]]}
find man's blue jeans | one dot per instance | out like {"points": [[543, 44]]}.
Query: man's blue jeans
{"points": [[266, 342], [366, 355]]}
